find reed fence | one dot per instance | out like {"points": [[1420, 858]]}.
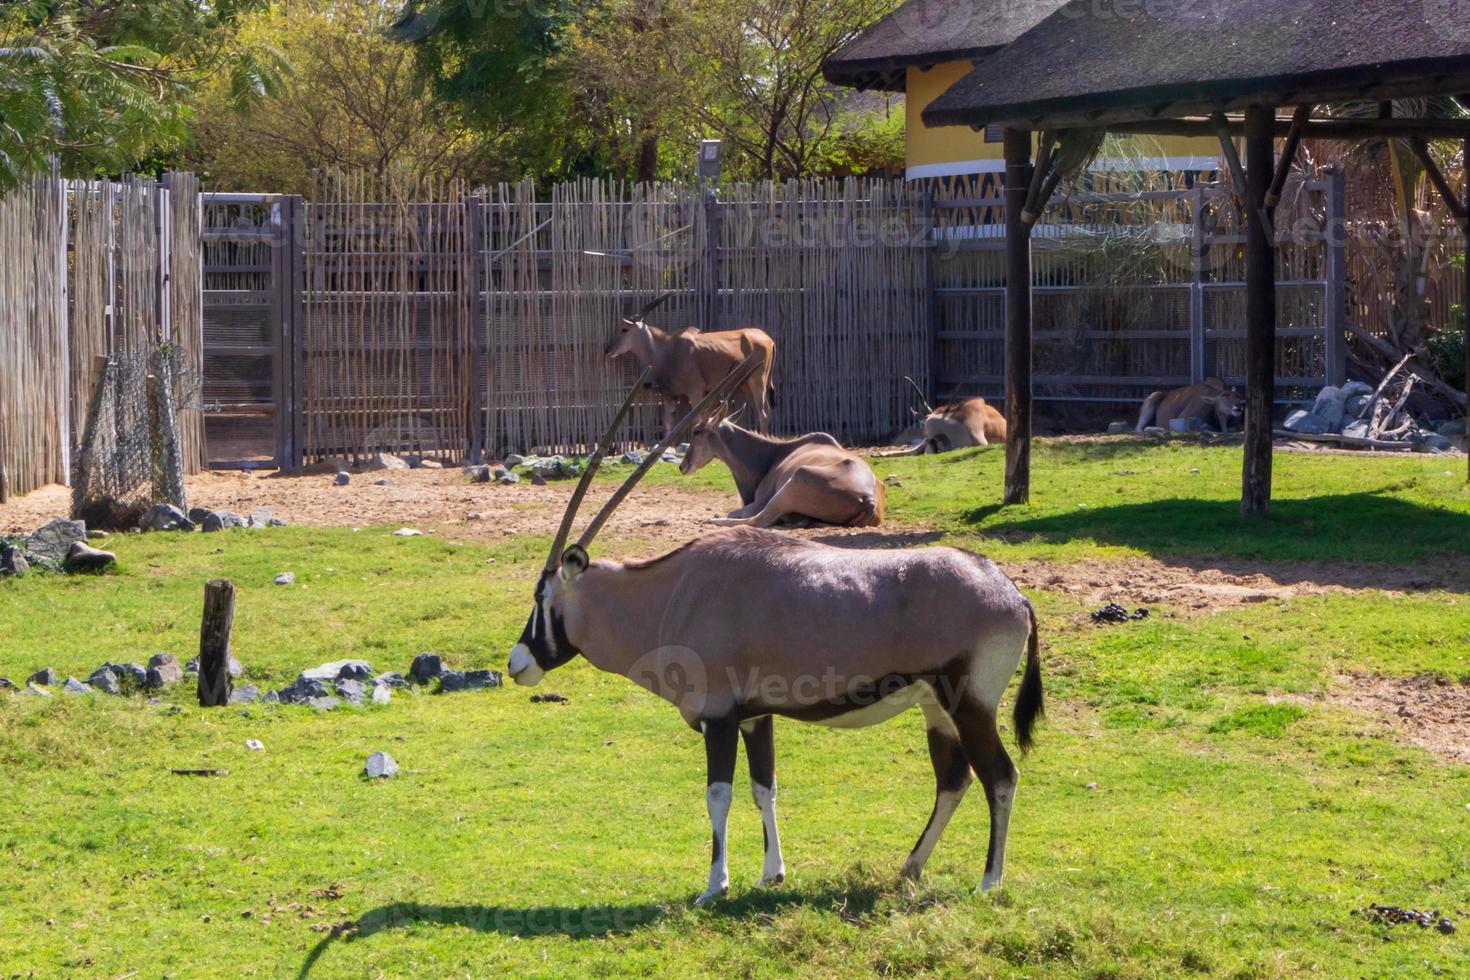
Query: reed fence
{"points": [[90, 270]]}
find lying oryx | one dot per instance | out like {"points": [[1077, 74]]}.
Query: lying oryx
{"points": [[957, 425], [685, 366], [742, 624], [811, 477], [1209, 401]]}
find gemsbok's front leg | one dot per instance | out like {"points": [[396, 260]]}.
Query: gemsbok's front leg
{"points": [[951, 779], [760, 752], [721, 741]]}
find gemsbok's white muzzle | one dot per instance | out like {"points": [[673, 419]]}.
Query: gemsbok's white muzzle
{"points": [[523, 667]]}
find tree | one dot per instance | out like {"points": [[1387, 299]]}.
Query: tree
{"points": [[760, 62], [353, 100], [102, 84]]}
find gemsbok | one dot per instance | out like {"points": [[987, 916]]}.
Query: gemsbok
{"points": [[809, 478], [741, 625], [685, 366]]}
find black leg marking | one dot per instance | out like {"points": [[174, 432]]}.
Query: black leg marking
{"points": [[760, 750], [951, 779], [997, 774]]}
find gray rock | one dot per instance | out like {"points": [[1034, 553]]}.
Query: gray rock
{"points": [[198, 514], [408, 532], [81, 557], [286, 578], [505, 476], [514, 459], [1432, 442], [38, 690], [165, 517], [382, 693], [130, 675], [212, 523], [53, 540], [391, 679], [537, 480], [12, 562], [98, 535], [430, 464], [341, 479], [340, 670], [350, 691], [385, 461], [74, 686], [478, 474], [166, 665], [234, 667], [1186, 425], [682, 449], [453, 680], [271, 697], [425, 667], [263, 517], [382, 482], [634, 458], [6, 684], [1451, 428], [380, 765], [1119, 428], [1155, 430], [1330, 407], [46, 677], [323, 704], [302, 690], [1357, 429], [245, 695], [1306, 423], [670, 457], [255, 745], [1355, 388], [1355, 406], [105, 680]]}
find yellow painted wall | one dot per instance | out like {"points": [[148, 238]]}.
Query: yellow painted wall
{"points": [[940, 150]]}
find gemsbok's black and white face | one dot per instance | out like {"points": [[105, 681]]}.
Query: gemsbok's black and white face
{"points": [[544, 644]]}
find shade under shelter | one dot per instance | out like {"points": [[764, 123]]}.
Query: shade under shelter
{"points": [[1221, 67]]}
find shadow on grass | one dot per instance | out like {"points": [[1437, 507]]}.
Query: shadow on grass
{"points": [[587, 921], [1371, 527]]}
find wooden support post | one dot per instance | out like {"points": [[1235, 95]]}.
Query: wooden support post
{"points": [[1466, 305], [473, 285], [1335, 347], [1260, 310], [214, 643], [1017, 148], [1288, 154]]}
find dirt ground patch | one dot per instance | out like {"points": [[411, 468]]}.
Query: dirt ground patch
{"points": [[1209, 584], [1430, 712], [425, 499]]}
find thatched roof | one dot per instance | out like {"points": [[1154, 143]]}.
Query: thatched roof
{"points": [[1085, 63], [928, 32]]}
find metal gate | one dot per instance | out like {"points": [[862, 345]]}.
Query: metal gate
{"points": [[252, 305]]}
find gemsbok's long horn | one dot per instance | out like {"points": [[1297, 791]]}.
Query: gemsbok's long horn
{"points": [[920, 392], [736, 376], [593, 462]]}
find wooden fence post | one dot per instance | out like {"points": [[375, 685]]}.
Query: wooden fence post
{"points": [[1197, 352], [1335, 349], [1017, 151], [214, 643], [1260, 310], [473, 283]]}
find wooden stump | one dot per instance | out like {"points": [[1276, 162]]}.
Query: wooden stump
{"points": [[1260, 310], [1017, 149], [214, 644]]}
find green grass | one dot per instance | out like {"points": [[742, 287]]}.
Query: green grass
{"points": [[1187, 811]]}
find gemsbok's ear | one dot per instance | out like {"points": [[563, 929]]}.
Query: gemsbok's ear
{"points": [[573, 562]]}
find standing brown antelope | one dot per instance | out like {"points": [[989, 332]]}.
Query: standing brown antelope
{"points": [[742, 625], [685, 366], [811, 477]]}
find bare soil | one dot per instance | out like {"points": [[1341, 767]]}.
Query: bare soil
{"points": [[1430, 712]]}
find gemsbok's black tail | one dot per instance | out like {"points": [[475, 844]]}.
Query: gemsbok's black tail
{"points": [[1029, 704]]}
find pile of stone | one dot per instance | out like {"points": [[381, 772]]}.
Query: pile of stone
{"points": [[59, 546], [167, 517], [162, 671], [541, 469], [1381, 418]]}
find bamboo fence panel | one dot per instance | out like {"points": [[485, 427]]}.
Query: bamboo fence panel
{"points": [[33, 358], [186, 314]]}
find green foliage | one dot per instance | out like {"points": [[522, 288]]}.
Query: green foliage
{"points": [[103, 85], [1447, 348]]}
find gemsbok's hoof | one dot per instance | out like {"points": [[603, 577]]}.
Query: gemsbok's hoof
{"points": [[714, 894], [771, 881]]}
